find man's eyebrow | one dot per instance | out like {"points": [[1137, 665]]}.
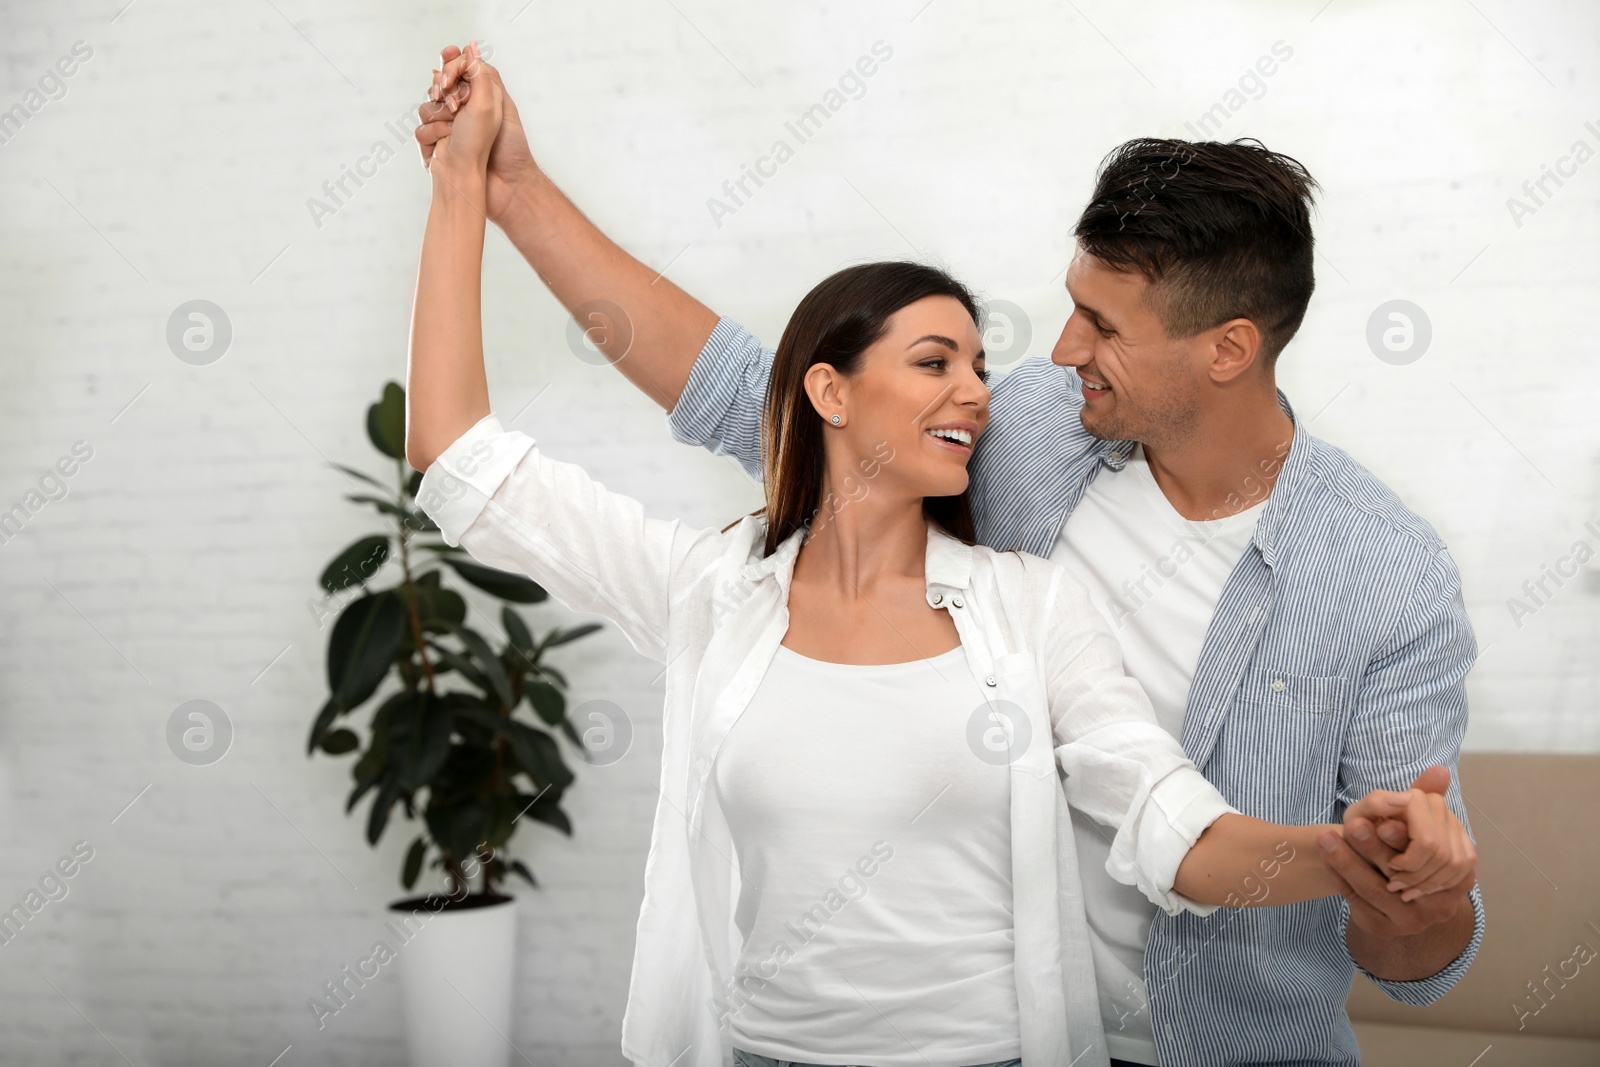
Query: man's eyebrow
{"points": [[1092, 313], [937, 338]]}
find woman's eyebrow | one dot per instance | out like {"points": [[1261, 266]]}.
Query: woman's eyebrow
{"points": [[947, 342]]}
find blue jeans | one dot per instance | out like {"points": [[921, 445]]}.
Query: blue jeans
{"points": [[742, 1058]]}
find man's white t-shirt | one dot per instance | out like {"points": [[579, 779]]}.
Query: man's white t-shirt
{"points": [[1157, 577]]}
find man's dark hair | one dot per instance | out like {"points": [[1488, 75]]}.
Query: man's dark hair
{"points": [[1220, 231]]}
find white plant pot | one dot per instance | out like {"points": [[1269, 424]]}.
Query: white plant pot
{"points": [[457, 971]]}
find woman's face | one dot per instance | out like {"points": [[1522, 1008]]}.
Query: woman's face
{"points": [[914, 408]]}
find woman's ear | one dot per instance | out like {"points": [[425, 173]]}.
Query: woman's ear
{"points": [[827, 388]]}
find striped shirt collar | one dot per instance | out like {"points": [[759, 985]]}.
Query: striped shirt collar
{"points": [[1279, 512]]}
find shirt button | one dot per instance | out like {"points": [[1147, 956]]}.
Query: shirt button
{"points": [[938, 598], [958, 603], [1278, 685], [989, 680]]}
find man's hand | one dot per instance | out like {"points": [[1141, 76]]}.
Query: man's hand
{"points": [[1422, 848], [511, 163], [1410, 912]]}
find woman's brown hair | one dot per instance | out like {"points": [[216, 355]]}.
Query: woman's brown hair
{"points": [[835, 324]]}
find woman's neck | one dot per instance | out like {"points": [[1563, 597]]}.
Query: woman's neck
{"points": [[860, 544]]}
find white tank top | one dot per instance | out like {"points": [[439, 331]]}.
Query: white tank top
{"points": [[875, 850]]}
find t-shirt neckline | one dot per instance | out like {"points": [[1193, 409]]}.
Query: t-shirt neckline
{"points": [[902, 667], [1141, 470]]}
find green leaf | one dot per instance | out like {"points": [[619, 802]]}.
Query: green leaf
{"points": [[386, 422], [518, 867], [381, 805], [554, 675], [338, 742], [501, 812], [516, 588], [356, 564], [363, 646], [413, 866], [562, 637], [414, 483], [419, 521], [537, 753], [548, 811], [547, 700], [439, 608], [444, 549], [374, 762], [516, 630], [419, 740], [357, 474], [362, 786], [325, 717], [388, 507], [492, 666], [462, 664], [571, 732], [456, 828], [481, 714]]}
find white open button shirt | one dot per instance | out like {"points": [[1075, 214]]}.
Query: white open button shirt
{"points": [[713, 610]]}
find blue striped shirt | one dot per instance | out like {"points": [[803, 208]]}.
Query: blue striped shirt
{"points": [[1335, 665]]}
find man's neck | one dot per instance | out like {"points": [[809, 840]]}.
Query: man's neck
{"points": [[1231, 461]]}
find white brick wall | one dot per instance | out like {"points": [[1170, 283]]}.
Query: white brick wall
{"points": [[178, 165]]}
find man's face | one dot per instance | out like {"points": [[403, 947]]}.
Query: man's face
{"points": [[1138, 383]]}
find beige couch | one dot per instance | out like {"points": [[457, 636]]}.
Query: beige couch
{"points": [[1536, 819]]}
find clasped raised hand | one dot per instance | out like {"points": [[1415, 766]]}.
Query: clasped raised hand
{"points": [[476, 107]]}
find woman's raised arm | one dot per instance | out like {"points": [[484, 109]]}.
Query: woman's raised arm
{"points": [[446, 390], [491, 490]]}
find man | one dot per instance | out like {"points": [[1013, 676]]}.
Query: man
{"points": [[1299, 629]]}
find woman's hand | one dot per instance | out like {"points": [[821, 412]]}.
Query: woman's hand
{"points": [[1437, 853], [476, 123], [511, 164]]}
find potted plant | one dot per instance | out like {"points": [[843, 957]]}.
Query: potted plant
{"points": [[465, 741]]}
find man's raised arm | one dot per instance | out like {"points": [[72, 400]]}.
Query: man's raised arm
{"points": [[651, 330]]}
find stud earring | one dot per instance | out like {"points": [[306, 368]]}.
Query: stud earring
{"points": [[835, 419]]}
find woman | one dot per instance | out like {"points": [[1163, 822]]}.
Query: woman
{"points": [[861, 852]]}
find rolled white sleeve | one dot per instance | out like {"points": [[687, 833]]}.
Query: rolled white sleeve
{"points": [[496, 494], [1120, 767], [458, 484], [1151, 845]]}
